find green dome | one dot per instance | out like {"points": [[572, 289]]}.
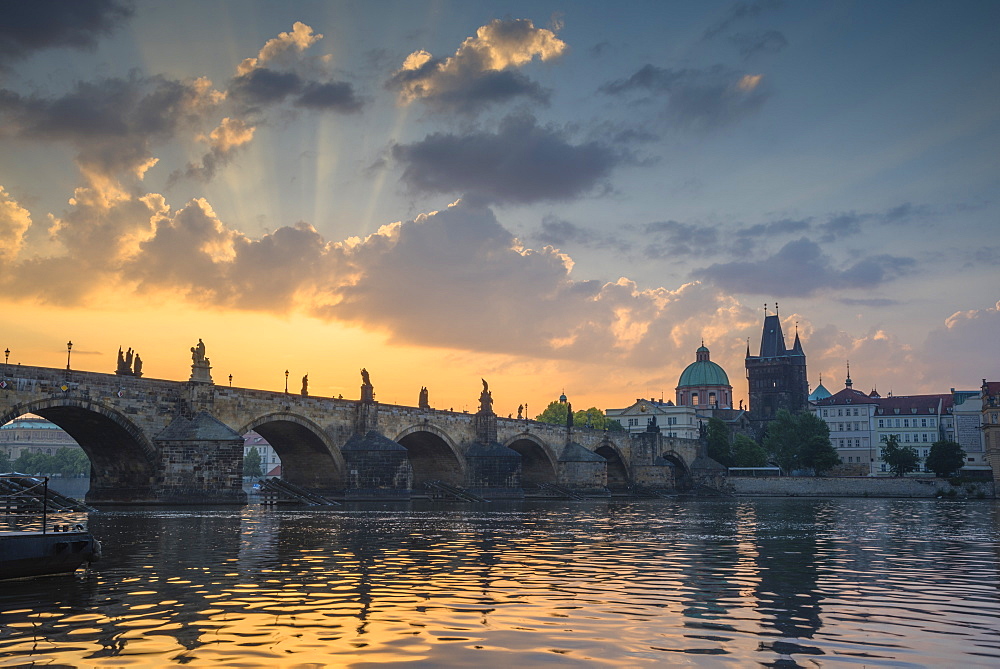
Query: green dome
{"points": [[703, 372]]}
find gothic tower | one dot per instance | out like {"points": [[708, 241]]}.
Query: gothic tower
{"points": [[777, 377]]}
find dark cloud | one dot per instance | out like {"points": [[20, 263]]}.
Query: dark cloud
{"points": [[740, 12], [697, 99], [471, 94], [113, 121], [559, 232], [842, 225], [673, 239], [521, 163], [337, 96], [800, 268], [32, 25], [264, 86], [875, 302], [599, 49], [760, 42], [482, 72]]}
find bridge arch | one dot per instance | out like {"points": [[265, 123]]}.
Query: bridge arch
{"points": [[538, 463], [309, 457], [618, 473], [682, 473], [124, 463], [433, 455]]}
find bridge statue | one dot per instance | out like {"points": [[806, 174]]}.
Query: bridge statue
{"points": [[486, 399], [201, 369], [305, 386], [422, 401], [367, 389]]}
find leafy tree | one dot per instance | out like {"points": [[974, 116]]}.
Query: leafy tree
{"points": [[717, 436], [748, 453], [251, 464], [800, 441], [70, 462], [32, 462], [815, 450], [555, 414], [5, 463], [901, 459], [946, 458]]}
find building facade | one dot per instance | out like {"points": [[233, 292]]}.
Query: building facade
{"points": [[777, 376], [673, 420], [990, 395], [270, 463], [916, 420], [850, 415], [34, 435]]}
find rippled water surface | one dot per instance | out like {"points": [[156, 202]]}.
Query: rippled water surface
{"points": [[728, 583]]}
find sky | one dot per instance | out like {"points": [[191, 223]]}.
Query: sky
{"points": [[553, 196]]}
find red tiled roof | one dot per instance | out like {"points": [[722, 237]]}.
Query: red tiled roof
{"points": [[924, 404], [992, 387], [847, 396]]}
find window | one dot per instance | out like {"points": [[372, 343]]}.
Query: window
{"points": [[824, 413], [840, 412], [711, 398], [880, 422], [925, 437], [855, 411], [694, 399], [841, 426], [907, 437], [897, 422], [923, 422], [931, 422], [906, 422]]}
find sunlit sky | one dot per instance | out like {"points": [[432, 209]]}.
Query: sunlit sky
{"points": [[549, 195]]}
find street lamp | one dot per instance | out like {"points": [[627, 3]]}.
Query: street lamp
{"points": [[286, 381], [69, 349], [6, 357], [230, 380]]}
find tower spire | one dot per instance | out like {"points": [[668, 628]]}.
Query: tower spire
{"points": [[848, 383]]}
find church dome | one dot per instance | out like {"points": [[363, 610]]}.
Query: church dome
{"points": [[703, 372]]}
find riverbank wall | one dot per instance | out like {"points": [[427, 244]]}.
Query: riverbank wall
{"points": [[857, 486]]}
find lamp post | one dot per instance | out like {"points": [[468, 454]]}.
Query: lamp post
{"points": [[286, 381], [6, 357], [69, 349], [230, 380]]}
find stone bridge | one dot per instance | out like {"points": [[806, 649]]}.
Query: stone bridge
{"points": [[168, 442]]}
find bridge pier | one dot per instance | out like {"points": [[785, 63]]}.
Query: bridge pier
{"points": [[201, 461]]}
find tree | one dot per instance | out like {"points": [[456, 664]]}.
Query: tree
{"points": [[946, 458], [5, 463], [815, 450], [70, 462], [748, 453], [555, 414], [717, 438], [33, 463], [901, 459], [251, 464], [800, 441]]}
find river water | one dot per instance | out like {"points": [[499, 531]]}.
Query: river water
{"points": [[724, 583]]}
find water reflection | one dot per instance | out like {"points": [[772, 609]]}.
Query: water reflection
{"points": [[707, 583]]}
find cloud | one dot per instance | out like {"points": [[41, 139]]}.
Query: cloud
{"points": [[14, 222], [759, 42], [740, 12], [114, 122], [482, 71], [520, 163], [47, 24], [561, 233], [696, 99], [799, 268], [223, 142], [957, 355], [336, 96], [277, 49], [673, 239]]}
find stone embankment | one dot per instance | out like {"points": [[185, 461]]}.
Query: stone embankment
{"points": [[857, 486]]}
